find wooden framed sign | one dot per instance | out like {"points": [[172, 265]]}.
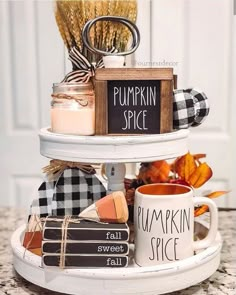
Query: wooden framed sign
{"points": [[134, 101]]}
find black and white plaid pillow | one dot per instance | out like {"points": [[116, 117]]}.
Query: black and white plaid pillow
{"points": [[190, 108], [71, 193]]}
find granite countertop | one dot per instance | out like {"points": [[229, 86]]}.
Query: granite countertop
{"points": [[222, 282]]}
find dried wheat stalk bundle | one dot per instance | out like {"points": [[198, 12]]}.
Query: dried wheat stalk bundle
{"points": [[71, 17]]}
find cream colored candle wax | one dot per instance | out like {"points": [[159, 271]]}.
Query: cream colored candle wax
{"points": [[69, 121]]}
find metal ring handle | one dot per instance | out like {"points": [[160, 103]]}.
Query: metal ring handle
{"points": [[129, 24]]}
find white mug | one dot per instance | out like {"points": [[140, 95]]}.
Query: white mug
{"points": [[164, 223]]}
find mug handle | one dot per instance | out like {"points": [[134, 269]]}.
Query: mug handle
{"points": [[207, 241]]}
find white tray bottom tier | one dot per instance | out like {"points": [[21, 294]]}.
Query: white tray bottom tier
{"points": [[154, 280]]}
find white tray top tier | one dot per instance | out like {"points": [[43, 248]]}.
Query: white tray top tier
{"points": [[113, 149]]}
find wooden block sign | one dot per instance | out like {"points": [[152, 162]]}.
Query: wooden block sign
{"points": [[134, 101]]}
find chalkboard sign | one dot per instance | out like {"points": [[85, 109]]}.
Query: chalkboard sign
{"points": [[133, 101], [134, 106]]}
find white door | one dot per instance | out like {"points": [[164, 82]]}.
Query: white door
{"points": [[199, 39], [31, 59]]}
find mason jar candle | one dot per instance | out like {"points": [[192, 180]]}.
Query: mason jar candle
{"points": [[73, 109]]}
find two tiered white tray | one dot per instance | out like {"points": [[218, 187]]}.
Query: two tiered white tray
{"points": [[161, 279]]}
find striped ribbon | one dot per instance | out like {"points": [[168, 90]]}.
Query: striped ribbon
{"points": [[84, 69]]}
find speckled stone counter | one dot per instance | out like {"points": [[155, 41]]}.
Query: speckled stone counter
{"points": [[222, 282]]}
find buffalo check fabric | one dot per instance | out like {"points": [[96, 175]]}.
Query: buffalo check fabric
{"points": [[190, 108], [71, 193], [42, 205]]}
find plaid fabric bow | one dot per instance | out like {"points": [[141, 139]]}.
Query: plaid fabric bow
{"points": [[190, 108], [84, 70]]}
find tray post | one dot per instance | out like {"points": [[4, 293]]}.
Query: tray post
{"points": [[115, 173]]}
